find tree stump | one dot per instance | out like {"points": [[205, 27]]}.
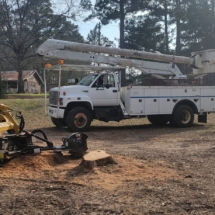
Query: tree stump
{"points": [[97, 158]]}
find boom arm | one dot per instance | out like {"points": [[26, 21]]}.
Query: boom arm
{"points": [[52, 44], [201, 62], [145, 66]]}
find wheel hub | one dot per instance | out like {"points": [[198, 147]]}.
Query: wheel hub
{"points": [[80, 120], [185, 116]]}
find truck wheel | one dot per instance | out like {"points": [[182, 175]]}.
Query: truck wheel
{"points": [[183, 116], [78, 119], [60, 123], [158, 119]]}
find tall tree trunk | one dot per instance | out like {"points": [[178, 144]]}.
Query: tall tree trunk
{"points": [[166, 27], [212, 3], [213, 10], [178, 29], [122, 25], [99, 34], [20, 81], [1, 87], [209, 29], [194, 14]]}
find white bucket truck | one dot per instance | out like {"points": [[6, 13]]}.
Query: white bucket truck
{"points": [[100, 95]]}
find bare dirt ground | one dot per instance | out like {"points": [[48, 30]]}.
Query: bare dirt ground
{"points": [[158, 170]]}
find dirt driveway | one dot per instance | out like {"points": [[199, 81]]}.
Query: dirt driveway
{"points": [[159, 170]]}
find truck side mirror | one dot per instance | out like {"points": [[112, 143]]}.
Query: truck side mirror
{"points": [[107, 86]]}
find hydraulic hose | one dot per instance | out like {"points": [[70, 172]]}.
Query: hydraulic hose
{"points": [[22, 123], [45, 139]]}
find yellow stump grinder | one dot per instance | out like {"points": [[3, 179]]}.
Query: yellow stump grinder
{"points": [[17, 141]]}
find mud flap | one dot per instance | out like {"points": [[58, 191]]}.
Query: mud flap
{"points": [[203, 117]]}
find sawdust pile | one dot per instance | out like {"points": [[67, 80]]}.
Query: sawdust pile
{"points": [[30, 165], [127, 169], [41, 161], [63, 168]]}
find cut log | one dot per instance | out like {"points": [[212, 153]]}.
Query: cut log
{"points": [[97, 158]]}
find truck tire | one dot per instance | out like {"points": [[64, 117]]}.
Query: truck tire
{"points": [[183, 116], [158, 119], [60, 123], [78, 119]]}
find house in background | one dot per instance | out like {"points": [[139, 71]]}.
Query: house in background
{"points": [[33, 83]]}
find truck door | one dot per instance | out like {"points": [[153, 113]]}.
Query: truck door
{"points": [[104, 91]]}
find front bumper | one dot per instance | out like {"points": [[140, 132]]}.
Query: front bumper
{"points": [[55, 112]]}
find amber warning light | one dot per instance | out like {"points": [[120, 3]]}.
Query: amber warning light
{"points": [[48, 65], [60, 62]]}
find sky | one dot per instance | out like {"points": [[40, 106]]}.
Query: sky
{"points": [[110, 31]]}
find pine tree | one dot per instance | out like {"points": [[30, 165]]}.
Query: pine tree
{"points": [[144, 33], [113, 10], [96, 38], [198, 29], [163, 11], [66, 30]]}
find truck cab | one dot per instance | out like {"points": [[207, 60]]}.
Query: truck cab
{"points": [[104, 90], [97, 96]]}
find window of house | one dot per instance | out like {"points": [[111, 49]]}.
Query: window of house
{"points": [[12, 84]]}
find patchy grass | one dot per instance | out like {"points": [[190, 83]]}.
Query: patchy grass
{"points": [[25, 104], [26, 94], [33, 111]]}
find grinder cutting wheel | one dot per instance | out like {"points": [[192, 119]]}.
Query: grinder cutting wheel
{"points": [[18, 141]]}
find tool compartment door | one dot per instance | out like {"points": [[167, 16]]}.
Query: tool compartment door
{"points": [[151, 101], [166, 102], [136, 101], [207, 99]]}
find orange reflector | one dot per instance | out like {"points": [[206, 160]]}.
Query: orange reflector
{"points": [[60, 62], [48, 65], [64, 93]]}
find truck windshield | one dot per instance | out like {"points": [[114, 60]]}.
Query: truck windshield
{"points": [[88, 80]]}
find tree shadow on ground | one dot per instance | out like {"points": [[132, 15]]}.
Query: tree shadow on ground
{"points": [[95, 128], [134, 133]]}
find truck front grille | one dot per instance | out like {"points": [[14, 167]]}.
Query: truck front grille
{"points": [[53, 97]]}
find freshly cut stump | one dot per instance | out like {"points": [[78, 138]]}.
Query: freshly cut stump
{"points": [[97, 158]]}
